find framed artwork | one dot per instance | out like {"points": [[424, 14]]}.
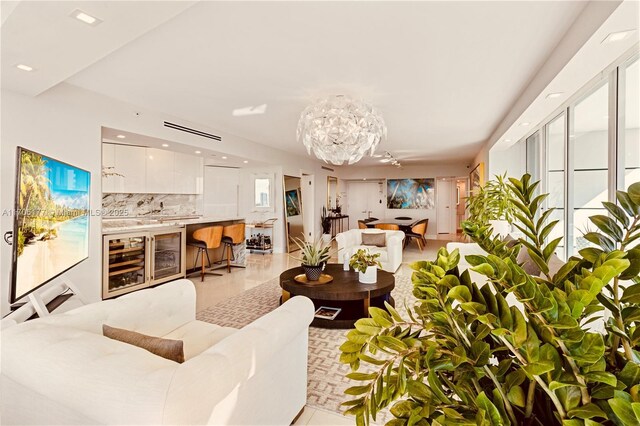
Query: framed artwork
{"points": [[476, 178], [411, 193], [293, 202]]}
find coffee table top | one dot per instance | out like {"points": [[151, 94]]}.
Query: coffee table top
{"points": [[345, 285]]}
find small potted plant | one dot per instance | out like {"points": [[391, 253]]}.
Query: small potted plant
{"points": [[367, 265], [326, 226], [315, 255]]}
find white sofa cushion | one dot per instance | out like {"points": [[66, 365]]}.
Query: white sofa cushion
{"points": [[198, 336]]}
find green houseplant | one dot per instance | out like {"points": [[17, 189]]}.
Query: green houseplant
{"points": [[314, 256], [491, 204], [366, 264], [463, 356]]}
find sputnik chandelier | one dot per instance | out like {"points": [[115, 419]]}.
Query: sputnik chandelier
{"points": [[339, 129]]}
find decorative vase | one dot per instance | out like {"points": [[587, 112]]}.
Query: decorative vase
{"points": [[312, 272], [370, 276]]}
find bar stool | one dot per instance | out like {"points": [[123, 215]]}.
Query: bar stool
{"points": [[204, 239], [232, 235]]}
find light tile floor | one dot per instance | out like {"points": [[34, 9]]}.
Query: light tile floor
{"points": [[261, 268]]}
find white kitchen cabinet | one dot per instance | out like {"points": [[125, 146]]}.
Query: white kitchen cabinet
{"points": [[109, 168], [188, 171], [159, 173], [131, 163]]}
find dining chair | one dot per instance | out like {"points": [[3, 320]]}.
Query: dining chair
{"points": [[362, 224], [417, 232], [388, 226]]}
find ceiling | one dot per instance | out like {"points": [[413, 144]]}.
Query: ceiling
{"points": [[443, 74]]}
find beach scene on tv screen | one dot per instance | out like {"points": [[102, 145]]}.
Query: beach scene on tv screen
{"points": [[52, 219]]}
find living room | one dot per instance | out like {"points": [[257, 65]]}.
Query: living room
{"points": [[197, 153]]}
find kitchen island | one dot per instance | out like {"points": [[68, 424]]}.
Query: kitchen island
{"points": [[141, 252]]}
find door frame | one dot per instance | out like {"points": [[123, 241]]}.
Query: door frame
{"points": [[452, 202]]}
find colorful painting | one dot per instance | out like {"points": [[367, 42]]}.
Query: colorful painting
{"points": [[293, 202], [52, 220], [410, 193], [476, 178]]}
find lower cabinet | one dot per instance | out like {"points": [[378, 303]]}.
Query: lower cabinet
{"points": [[136, 260]]}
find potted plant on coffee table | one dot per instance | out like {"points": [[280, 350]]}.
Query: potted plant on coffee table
{"points": [[367, 265], [315, 255]]}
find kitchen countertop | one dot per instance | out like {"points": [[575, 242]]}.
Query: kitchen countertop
{"points": [[128, 224]]}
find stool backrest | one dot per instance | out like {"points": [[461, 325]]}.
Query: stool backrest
{"points": [[362, 225], [388, 226], [235, 232], [211, 235]]}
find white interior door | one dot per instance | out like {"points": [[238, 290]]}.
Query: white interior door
{"points": [[446, 208], [364, 200], [308, 218]]}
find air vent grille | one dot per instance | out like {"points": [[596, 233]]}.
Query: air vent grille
{"points": [[192, 131]]}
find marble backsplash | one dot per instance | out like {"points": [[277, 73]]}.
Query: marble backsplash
{"points": [[141, 205]]}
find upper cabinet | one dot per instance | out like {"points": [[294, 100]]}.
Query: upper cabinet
{"points": [[160, 172], [132, 169], [188, 171]]}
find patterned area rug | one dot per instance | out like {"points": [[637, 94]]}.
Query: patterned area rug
{"points": [[326, 374]]}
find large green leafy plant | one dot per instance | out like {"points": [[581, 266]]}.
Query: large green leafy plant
{"points": [[464, 356], [492, 201]]}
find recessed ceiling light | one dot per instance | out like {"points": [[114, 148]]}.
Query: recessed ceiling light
{"points": [[198, 152], [223, 157], [507, 140], [166, 145], [85, 17], [377, 155], [246, 161], [385, 160], [250, 110], [120, 136], [525, 123], [24, 67], [554, 95], [617, 36]]}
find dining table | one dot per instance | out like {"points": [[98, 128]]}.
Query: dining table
{"points": [[404, 224]]}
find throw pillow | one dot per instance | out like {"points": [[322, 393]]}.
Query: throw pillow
{"points": [[377, 239], [166, 348]]}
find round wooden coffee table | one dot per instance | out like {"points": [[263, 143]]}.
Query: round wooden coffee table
{"points": [[344, 292]]}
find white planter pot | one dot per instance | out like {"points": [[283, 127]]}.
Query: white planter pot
{"points": [[500, 227], [370, 276], [326, 238]]}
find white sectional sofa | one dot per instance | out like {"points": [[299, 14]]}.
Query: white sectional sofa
{"points": [[390, 256], [61, 370]]}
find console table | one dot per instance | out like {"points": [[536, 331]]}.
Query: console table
{"points": [[337, 224]]}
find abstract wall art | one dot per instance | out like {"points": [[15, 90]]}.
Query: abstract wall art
{"points": [[410, 193]]}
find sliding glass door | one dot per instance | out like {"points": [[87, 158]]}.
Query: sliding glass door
{"points": [[589, 163], [629, 118], [555, 177]]}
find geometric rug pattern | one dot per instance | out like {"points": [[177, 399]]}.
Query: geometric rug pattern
{"points": [[326, 375]]}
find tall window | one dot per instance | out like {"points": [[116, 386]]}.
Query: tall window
{"points": [[533, 161], [629, 122], [555, 161], [589, 155]]}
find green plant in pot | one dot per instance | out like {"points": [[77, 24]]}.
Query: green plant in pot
{"points": [[464, 356], [491, 205], [314, 255], [367, 264]]}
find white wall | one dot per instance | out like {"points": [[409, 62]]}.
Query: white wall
{"points": [[65, 123], [511, 161], [390, 172]]}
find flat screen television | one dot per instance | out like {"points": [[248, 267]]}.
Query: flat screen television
{"points": [[51, 221]]}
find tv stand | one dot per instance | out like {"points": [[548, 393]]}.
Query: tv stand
{"points": [[41, 304]]}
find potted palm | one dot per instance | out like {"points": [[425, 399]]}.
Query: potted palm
{"points": [[491, 205], [315, 255], [367, 266]]}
